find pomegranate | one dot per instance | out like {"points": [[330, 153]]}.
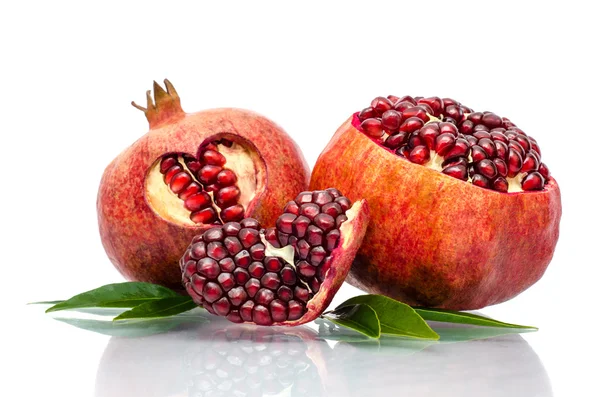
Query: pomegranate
{"points": [[188, 173], [282, 275], [464, 213]]}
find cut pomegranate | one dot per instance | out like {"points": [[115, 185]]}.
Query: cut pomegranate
{"points": [[189, 172], [452, 131], [464, 213], [276, 275]]}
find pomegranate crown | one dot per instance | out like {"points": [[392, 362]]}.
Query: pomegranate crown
{"points": [[166, 106]]}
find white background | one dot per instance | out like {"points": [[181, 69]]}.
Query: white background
{"points": [[70, 69]]}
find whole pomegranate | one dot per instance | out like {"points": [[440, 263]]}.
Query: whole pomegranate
{"points": [[464, 213], [281, 275], [188, 173]]}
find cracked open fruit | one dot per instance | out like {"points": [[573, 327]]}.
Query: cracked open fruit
{"points": [[188, 173], [464, 213], [285, 274]]}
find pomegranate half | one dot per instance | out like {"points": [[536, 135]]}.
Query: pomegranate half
{"points": [[464, 214], [188, 173]]}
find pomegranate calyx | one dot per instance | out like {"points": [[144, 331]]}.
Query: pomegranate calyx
{"points": [[165, 108]]}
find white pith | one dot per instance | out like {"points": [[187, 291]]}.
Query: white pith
{"points": [[170, 207]]}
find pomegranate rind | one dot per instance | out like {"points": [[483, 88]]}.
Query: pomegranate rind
{"points": [[142, 245], [352, 232], [434, 240]]}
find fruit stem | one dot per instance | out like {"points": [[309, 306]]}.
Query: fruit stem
{"points": [[165, 108]]}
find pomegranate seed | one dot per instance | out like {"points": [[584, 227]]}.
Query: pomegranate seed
{"points": [[301, 293], [475, 117], [295, 310], [533, 181], [270, 280], [261, 315], [372, 127], [212, 292], [194, 166], [443, 143], [449, 128], [288, 276], [411, 125], [192, 189], [415, 140], [316, 255], [394, 141], [226, 178], [227, 195], [381, 104], [501, 149], [524, 142], [227, 265], [283, 238], [233, 245], [278, 310], [167, 162], [284, 293], [303, 198], [222, 306], [284, 222], [291, 208], [501, 167], [197, 201], [390, 120], [477, 153], [273, 264], [206, 215], [417, 112], [213, 188], [314, 235], [419, 155], [198, 283], [429, 134], [401, 106], [198, 250], [344, 203], [530, 163], [487, 168], [366, 113], [241, 276], [208, 174], [171, 172], [515, 162], [256, 269], [271, 237], [331, 239], [216, 250], [208, 267], [246, 310], [234, 316], [513, 144], [340, 219], [460, 149], [544, 171], [324, 221], [180, 181], [480, 180], [252, 286], [454, 112], [242, 259], [226, 280], [302, 248], [332, 209], [248, 237], [466, 127], [257, 252], [321, 197], [500, 184], [213, 234], [301, 223], [456, 171], [472, 140], [233, 213], [213, 157], [491, 120], [189, 268], [306, 269], [310, 210], [264, 296]]}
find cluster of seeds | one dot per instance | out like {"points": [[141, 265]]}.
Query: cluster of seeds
{"points": [[480, 147], [231, 272], [192, 179]]}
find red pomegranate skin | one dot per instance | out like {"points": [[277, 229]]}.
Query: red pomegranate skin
{"points": [[434, 240], [145, 247]]}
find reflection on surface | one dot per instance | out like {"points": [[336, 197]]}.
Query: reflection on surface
{"points": [[219, 358]]}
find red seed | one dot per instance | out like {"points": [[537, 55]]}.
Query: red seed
{"points": [[213, 157], [480, 180], [515, 162], [443, 143], [208, 268], [300, 225], [227, 195], [271, 237], [487, 168], [501, 167], [501, 149], [222, 306], [366, 113], [264, 296], [241, 276], [310, 210], [180, 181], [248, 237], [434, 103], [206, 215], [278, 310], [491, 120], [456, 171], [197, 201], [208, 174], [302, 248], [226, 178], [226, 280], [270, 280], [193, 165], [524, 142], [305, 269], [233, 213], [429, 134], [284, 222], [212, 292], [301, 293], [417, 112], [284, 293], [321, 197], [449, 128], [291, 208], [396, 140], [401, 106], [530, 163], [419, 155], [415, 140], [314, 235], [198, 283], [257, 252], [213, 188], [192, 189], [316, 255], [227, 265], [198, 250], [466, 127], [340, 219], [390, 120], [381, 104], [331, 239], [454, 112], [295, 310], [544, 171], [411, 125], [216, 250], [500, 184], [324, 221], [303, 198], [167, 162], [372, 127], [252, 286], [261, 315], [242, 259], [256, 269], [477, 153], [283, 238], [234, 317], [171, 172], [246, 311], [533, 181], [213, 234], [288, 275], [233, 245]]}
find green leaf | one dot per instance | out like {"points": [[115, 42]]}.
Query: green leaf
{"points": [[129, 294], [360, 318], [159, 308], [45, 303], [396, 318], [450, 316]]}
